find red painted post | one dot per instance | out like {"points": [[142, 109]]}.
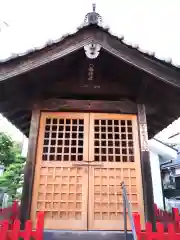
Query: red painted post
{"points": [[176, 219], [40, 226], [137, 224], [15, 230], [14, 212], [172, 235], [148, 231], [160, 231], [4, 230], [28, 230]]}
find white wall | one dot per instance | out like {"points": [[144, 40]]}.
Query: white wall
{"points": [[166, 152], [156, 179]]}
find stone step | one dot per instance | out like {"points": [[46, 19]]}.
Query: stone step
{"points": [[86, 235]]}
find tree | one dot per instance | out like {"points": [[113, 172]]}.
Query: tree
{"points": [[7, 151], [10, 157]]}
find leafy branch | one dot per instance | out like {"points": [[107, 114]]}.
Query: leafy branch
{"points": [[10, 158]]}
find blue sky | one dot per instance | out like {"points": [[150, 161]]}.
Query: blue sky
{"points": [[151, 24]]}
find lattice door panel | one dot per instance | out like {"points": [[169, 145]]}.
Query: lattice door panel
{"points": [[60, 187], [114, 144]]}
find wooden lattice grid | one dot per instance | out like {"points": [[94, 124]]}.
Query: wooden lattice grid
{"points": [[88, 196], [113, 140]]}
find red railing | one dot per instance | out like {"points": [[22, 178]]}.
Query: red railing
{"points": [[10, 213], [163, 216], [168, 217], [14, 233], [160, 234]]}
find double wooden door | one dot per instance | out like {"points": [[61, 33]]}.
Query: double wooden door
{"points": [[82, 158]]}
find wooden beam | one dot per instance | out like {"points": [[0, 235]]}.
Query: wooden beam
{"points": [[25, 129], [25, 117], [14, 106], [24, 124], [145, 165], [25, 132], [16, 114], [21, 123], [124, 106], [30, 167]]}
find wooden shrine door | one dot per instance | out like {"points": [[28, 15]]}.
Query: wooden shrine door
{"points": [[82, 158], [60, 188], [113, 143]]}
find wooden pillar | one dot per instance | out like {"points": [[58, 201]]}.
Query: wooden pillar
{"points": [[30, 168], [145, 166]]}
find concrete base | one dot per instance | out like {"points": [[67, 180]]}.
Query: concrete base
{"points": [[86, 235]]}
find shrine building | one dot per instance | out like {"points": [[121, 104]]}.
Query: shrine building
{"points": [[88, 104]]}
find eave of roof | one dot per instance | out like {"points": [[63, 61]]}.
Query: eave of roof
{"points": [[155, 67], [52, 43], [165, 144]]}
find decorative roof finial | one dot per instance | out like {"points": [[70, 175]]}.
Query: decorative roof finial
{"points": [[93, 17]]}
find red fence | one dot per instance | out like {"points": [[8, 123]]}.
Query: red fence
{"points": [[14, 233], [163, 216], [167, 217], [11, 213], [160, 233]]}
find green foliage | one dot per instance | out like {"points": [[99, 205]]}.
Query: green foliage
{"points": [[6, 150], [10, 157]]}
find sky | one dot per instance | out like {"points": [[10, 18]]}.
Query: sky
{"points": [[151, 24]]}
